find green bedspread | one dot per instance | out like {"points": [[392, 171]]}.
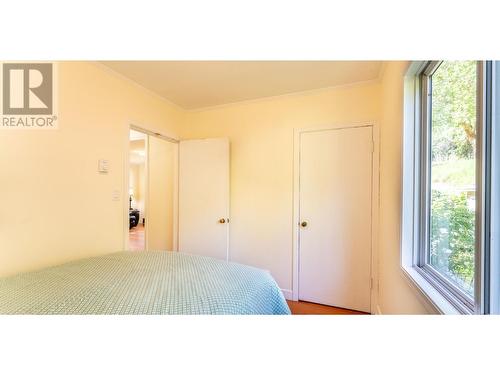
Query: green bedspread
{"points": [[151, 282]]}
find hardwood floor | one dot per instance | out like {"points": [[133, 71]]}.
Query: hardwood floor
{"points": [[308, 308], [137, 238]]}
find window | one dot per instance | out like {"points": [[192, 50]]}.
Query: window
{"points": [[448, 187], [447, 183]]}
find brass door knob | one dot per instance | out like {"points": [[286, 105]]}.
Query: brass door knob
{"points": [[303, 224], [222, 221]]}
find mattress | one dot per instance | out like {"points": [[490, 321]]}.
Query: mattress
{"points": [[148, 282]]}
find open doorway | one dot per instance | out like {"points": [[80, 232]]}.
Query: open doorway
{"points": [[152, 191], [137, 190]]}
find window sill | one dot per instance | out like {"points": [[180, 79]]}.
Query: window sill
{"points": [[430, 294]]}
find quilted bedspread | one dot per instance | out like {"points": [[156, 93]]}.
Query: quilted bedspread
{"points": [[149, 282]]}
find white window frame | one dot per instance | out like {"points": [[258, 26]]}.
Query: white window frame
{"points": [[493, 112], [438, 294]]}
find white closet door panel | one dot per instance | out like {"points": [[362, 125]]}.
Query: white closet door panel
{"points": [[336, 204], [162, 158], [204, 197]]}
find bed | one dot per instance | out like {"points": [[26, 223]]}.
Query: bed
{"points": [[148, 282]]}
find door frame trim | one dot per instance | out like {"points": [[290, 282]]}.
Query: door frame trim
{"points": [[131, 125], [375, 204]]}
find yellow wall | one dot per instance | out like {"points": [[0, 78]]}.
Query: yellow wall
{"points": [[54, 205], [395, 294], [261, 136]]}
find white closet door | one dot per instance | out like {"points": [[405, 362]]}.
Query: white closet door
{"points": [[204, 197], [335, 214], [162, 161]]}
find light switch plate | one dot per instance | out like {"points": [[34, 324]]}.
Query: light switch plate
{"points": [[103, 166], [116, 195]]}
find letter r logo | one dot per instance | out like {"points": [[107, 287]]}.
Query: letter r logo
{"points": [[27, 89]]}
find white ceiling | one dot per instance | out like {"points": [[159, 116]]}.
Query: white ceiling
{"points": [[199, 84]]}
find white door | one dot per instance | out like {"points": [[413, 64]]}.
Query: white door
{"points": [[204, 197], [335, 217]]}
